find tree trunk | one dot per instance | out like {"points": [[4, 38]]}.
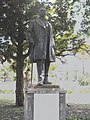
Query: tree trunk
{"points": [[19, 77]]}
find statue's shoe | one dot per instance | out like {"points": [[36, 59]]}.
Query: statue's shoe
{"points": [[46, 82], [39, 84]]}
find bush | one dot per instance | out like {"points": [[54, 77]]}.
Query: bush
{"points": [[84, 81]]}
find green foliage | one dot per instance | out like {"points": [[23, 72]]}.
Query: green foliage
{"points": [[7, 72], [52, 67], [15, 16], [85, 25], [70, 91], [73, 118], [76, 118], [84, 80], [62, 16]]}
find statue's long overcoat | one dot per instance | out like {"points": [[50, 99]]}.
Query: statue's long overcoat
{"points": [[37, 34]]}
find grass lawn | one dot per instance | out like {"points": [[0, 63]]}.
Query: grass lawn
{"points": [[8, 110]]}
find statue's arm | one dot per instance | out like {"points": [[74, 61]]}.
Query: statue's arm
{"points": [[51, 34], [30, 33]]}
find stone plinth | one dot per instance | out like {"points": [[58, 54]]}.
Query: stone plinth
{"points": [[44, 103]]}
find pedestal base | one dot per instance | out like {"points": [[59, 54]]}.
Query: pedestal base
{"points": [[39, 100]]}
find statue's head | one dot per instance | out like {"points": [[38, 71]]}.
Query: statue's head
{"points": [[42, 12]]}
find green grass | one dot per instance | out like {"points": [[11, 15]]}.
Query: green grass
{"points": [[76, 118], [85, 91], [72, 118], [6, 91], [70, 91]]}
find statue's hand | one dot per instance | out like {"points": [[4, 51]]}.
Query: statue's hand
{"points": [[54, 47], [31, 44]]}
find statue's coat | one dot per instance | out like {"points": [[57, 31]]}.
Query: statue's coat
{"points": [[37, 35]]}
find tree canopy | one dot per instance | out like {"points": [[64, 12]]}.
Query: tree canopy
{"points": [[15, 15], [14, 18]]}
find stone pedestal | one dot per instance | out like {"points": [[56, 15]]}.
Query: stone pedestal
{"points": [[52, 105]]}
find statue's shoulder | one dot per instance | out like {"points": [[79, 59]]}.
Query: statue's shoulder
{"points": [[33, 20], [37, 20], [49, 23]]}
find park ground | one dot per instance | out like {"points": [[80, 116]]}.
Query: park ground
{"points": [[77, 102]]}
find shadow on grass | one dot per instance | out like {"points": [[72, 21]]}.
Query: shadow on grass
{"points": [[8, 110]]}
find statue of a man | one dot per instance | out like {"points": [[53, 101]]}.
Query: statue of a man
{"points": [[42, 45]]}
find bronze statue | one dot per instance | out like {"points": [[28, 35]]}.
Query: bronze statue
{"points": [[40, 37]]}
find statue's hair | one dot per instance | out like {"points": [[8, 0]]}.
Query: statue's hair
{"points": [[41, 9]]}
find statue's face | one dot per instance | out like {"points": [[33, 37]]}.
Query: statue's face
{"points": [[42, 12]]}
